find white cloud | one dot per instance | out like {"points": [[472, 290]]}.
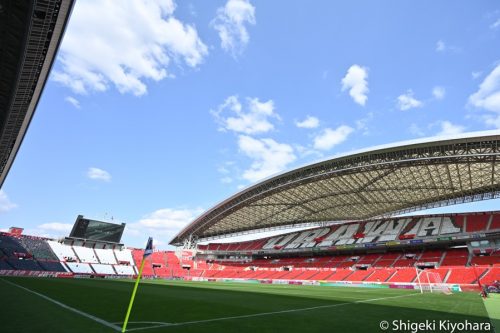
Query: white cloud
{"points": [[223, 170], [309, 122], [56, 226], [226, 180], [124, 43], [256, 118], [231, 21], [98, 174], [5, 203], [356, 82], [495, 24], [329, 138], [476, 74], [307, 153], [169, 218], [447, 128], [162, 224], [416, 130], [157, 242], [73, 101], [407, 101], [488, 95], [362, 124], [192, 10], [438, 92], [50, 230], [493, 121], [440, 46], [269, 156], [226, 171]]}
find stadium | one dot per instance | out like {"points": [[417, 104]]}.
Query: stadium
{"points": [[349, 252]]}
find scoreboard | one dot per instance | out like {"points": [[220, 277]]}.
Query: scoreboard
{"points": [[97, 230]]}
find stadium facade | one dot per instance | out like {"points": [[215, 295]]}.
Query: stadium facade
{"points": [[355, 236], [352, 201], [360, 204], [448, 251]]}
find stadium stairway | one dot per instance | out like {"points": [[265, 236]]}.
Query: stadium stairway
{"points": [[403, 275], [359, 275], [464, 275], [491, 276], [370, 273]]}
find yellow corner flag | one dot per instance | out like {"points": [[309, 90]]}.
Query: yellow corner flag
{"points": [[147, 252]]}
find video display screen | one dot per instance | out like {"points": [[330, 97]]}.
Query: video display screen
{"points": [[97, 230]]}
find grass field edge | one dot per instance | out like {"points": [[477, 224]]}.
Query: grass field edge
{"points": [[67, 307]]}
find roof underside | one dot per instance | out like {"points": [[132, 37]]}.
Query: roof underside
{"points": [[372, 184], [30, 33]]}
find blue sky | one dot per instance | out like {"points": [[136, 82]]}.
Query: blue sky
{"points": [[157, 110]]}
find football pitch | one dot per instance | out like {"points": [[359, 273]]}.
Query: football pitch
{"points": [[95, 305]]}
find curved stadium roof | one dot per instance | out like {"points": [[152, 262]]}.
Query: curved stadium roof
{"points": [[30, 34], [381, 181]]}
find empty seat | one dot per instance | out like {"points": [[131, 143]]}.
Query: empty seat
{"points": [[52, 266], [495, 222], [466, 275], [106, 256], [486, 260], [358, 275], [85, 254], [340, 274], [477, 222], [124, 270], [80, 268], [103, 269], [62, 251], [25, 264], [492, 276], [38, 247], [11, 246], [5, 265], [124, 255], [380, 275], [404, 275]]}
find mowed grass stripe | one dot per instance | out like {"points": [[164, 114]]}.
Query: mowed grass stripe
{"points": [[25, 312], [182, 302], [108, 299], [295, 290], [262, 314], [66, 307], [492, 304]]}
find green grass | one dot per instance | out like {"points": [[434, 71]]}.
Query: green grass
{"points": [[492, 304], [334, 309]]}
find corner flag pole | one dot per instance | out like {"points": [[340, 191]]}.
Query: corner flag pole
{"points": [[147, 251]]}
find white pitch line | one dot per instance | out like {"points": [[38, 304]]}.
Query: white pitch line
{"points": [[270, 313], [81, 313]]}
